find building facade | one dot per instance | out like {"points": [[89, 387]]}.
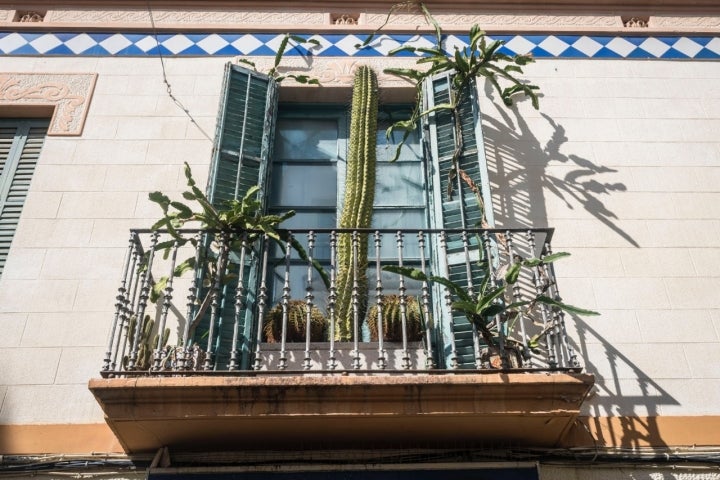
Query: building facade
{"points": [[100, 105]]}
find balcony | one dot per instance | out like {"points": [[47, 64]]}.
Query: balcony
{"points": [[326, 338]]}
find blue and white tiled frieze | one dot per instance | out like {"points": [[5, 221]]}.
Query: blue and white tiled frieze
{"points": [[346, 45]]}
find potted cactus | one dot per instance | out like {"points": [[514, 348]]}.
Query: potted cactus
{"points": [[392, 325], [296, 323]]}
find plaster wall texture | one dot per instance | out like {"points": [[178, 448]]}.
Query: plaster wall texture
{"points": [[623, 159]]}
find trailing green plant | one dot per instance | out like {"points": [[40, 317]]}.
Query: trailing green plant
{"points": [[392, 325], [274, 71], [482, 308], [296, 323], [481, 58], [358, 203], [147, 343]]}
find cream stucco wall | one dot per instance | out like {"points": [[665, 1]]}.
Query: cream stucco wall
{"points": [[623, 159]]}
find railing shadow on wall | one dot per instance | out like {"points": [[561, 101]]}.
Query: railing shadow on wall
{"points": [[623, 390], [519, 162]]}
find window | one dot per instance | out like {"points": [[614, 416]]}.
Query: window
{"points": [[308, 176], [20, 144], [308, 170]]}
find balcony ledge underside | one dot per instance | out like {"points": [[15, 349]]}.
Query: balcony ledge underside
{"points": [[341, 411]]}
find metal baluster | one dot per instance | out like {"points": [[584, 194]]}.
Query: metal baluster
{"points": [[517, 297], [240, 306], [403, 304], [355, 301], [167, 303], [183, 353], [572, 356], [544, 309], [144, 295], [221, 263], [494, 284], [471, 293], [429, 360], [379, 300], [131, 301], [282, 361], [448, 304], [309, 298], [118, 320], [262, 303], [332, 298]]}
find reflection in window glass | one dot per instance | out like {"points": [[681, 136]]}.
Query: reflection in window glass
{"points": [[306, 139]]}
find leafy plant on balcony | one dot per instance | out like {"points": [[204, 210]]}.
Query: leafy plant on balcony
{"points": [[488, 309], [236, 225], [352, 283]]}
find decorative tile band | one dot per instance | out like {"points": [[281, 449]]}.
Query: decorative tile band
{"points": [[345, 45]]}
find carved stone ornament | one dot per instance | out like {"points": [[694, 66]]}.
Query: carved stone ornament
{"points": [[686, 22], [406, 17], [68, 93], [187, 17], [490, 21], [339, 71]]}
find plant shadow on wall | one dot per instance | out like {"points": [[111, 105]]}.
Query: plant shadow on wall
{"points": [[522, 166], [523, 163]]}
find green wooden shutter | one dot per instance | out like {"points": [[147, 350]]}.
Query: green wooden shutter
{"points": [[241, 154], [20, 143], [459, 209]]}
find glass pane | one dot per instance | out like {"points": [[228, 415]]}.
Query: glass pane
{"points": [[303, 185], [306, 139], [298, 284], [321, 249], [399, 184], [386, 148], [391, 283], [389, 247], [401, 218]]}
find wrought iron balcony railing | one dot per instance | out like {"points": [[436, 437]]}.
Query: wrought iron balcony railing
{"points": [[258, 304]]}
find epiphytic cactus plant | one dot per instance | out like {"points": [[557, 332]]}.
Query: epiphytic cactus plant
{"points": [[357, 208]]}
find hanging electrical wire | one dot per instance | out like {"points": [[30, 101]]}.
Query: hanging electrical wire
{"points": [[165, 79]]}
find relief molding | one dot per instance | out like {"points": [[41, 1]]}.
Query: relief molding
{"points": [[259, 18], [68, 93], [186, 17], [684, 22], [339, 72]]}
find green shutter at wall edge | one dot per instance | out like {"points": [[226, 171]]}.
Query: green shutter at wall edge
{"points": [[20, 143], [241, 158]]}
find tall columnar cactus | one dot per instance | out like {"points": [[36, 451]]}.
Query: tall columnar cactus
{"points": [[358, 203]]}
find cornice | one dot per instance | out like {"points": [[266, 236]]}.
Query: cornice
{"points": [[559, 16]]}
